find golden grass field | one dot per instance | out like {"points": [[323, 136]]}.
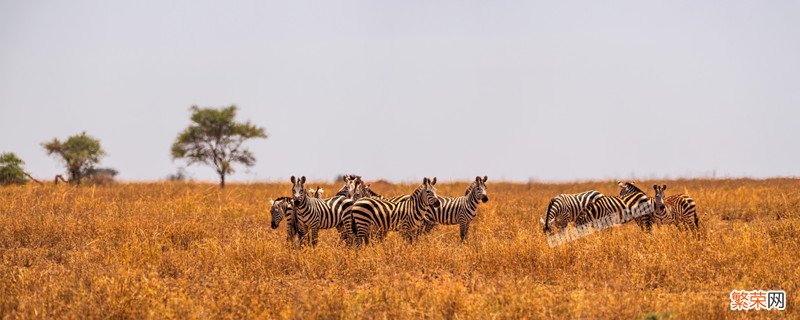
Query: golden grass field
{"points": [[191, 250]]}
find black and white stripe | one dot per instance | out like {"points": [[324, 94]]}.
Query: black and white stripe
{"points": [[679, 209], [459, 210], [406, 216], [318, 214], [608, 206], [282, 209], [565, 208]]}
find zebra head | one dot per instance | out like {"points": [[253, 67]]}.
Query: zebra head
{"points": [[478, 189], [278, 210], [659, 197], [350, 186], [429, 198], [298, 189], [357, 188], [552, 211]]}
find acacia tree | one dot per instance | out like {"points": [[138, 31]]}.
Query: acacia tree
{"points": [[80, 153], [11, 171], [215, 139]]}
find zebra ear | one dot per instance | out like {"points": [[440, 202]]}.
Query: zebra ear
{"points": [[293, 179], [620, 183], [433, 182], [271, 202], [485, 178], [664, 187], [655, 187], [478, 179], [303, 179]]}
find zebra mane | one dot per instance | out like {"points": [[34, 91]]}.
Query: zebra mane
{"points": [[469, 189]]}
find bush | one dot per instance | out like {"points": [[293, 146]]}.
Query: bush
{"points": [[101, 176], [11, 169]]}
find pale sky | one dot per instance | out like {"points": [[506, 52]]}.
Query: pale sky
{"points": [[516, 90]]}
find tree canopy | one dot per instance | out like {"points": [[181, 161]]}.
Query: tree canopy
{"points": [[11, 171], [80, 153], [215, 139]]}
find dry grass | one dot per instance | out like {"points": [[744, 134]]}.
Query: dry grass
{"points": [[193, 251]]}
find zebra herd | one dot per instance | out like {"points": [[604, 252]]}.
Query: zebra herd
{"points": [[582, 208], [358, 213]]}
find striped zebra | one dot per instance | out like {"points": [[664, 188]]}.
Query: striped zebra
{"points": [[405, 215], [620, 209], [644, 221], [282, 208], [318, 214], [459, 210], [565, 208], [677, 209]]}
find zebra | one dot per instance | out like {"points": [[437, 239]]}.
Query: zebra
{"points": [[459, 210], [644, 221], [565, 208], [405, 215], [677, 209], [282, 208], [318, 214], [623, 206]]}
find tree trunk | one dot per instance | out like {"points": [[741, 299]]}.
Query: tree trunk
{"points": [[222, 180]]}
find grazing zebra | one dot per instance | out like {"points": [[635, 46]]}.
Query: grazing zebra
{"points": [[405, 215], [677, 209], [282, 208], [318, 214], [565, 208], [622, 207], [460, 210]]}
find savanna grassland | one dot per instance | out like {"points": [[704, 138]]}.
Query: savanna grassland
{"points": [[190, 250]]}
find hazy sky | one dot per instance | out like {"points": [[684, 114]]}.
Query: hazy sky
{"points": [[550, 90]]}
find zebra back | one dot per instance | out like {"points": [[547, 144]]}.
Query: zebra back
{"points": [[565, 208], [620, 207]]}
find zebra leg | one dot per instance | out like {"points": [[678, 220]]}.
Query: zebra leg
{"points": [[361, 235], [290, 233], [382, 235], [428, 226], [314, 234], [464, 230]]}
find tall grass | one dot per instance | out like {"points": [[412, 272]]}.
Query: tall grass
{"points": [[193, 251]]}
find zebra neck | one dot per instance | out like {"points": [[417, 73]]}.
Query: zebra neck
{"points": [[301, 208], [472, 200], [342, 192], [416, 200]]}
